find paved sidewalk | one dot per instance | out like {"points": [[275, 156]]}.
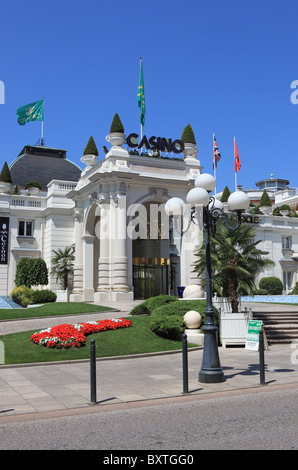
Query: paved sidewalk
{"points": [[33, 389]]}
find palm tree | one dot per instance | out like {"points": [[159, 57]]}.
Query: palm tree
{"points": [[235, 262], [62, 264]]}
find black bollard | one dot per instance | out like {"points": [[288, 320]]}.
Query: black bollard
{"points": [[93, 370], [261, 356], [185, 363]]}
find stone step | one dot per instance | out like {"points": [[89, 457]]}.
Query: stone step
{"points": [[280, 327]]}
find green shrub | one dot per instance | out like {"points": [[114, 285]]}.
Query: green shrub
{"points": [[91, 148], [22, 295], [167, 321], [147, 307], [295, 290], [116, 125], [272, 285], [33, 184], [188, 135], [283, 207], [43, 296]]}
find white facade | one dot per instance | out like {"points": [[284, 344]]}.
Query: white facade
{"points": [[48, 221], [111, 218], [279, 236]]}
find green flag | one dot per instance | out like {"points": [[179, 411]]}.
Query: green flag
{"points": [[141, 95], [30, 112]]}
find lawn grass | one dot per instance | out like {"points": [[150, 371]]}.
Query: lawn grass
{"points": [[136, 339], [51, 309]]}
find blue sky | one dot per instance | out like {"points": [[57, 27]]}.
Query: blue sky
{"points": [[225, 67]]}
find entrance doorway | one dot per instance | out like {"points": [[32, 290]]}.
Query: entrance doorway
{"points": [[154, 254], [151, 277]]}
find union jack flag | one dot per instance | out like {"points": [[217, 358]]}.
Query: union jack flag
{"points": [[216, 153]]}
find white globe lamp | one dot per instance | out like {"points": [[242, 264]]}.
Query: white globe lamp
{"points": [[197, 197], [205, 181], [174, 206], [238, 201]]}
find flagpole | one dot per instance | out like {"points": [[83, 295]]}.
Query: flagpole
{"points": [[141, 122], [41, 140], [214, 164], [235, 166]]}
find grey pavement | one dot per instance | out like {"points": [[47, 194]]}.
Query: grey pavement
{"points": [[51, 389]]}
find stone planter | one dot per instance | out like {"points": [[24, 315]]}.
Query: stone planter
{"points": [[116, 139], [33, 191], [233, 327], [266, 210], [189, 149], [62, 295], [89, 160], [5, 187]]}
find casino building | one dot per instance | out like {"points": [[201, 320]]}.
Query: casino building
{"points": [[112, 213]]}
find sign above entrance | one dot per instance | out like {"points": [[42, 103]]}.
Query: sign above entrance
{"points": [[155, 143]]}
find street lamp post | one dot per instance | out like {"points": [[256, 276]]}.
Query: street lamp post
{"points": [[213, 212]]}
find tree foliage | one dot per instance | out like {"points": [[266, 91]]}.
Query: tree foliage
{"points": [[5, 175], [225, 194], [235, 262], [31, 272], [62, 265], [265, 200]]}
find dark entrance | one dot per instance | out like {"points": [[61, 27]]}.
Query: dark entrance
{"points": [[150, 277]]}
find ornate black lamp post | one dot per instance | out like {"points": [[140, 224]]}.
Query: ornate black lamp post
{"points": [[211, 371]]}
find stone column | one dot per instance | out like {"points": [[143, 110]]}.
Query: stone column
{"points": [[102, 232], [77, 292], [119, 262], [88, 268], [191, 241]]}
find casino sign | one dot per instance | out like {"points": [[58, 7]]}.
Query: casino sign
{"points": [[155, 143]]}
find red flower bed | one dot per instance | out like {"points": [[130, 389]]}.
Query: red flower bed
{"points": [[73, 336]]}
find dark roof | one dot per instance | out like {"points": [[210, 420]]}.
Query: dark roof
{"points": [[42, 164]]}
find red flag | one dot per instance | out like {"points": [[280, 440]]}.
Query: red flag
{"points": [[237, 159], [216, 153]]}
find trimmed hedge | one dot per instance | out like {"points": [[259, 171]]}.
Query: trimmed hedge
{"points": [[44, 296], [116, 125], [295, 290], [91, 148], [33, 184], [167, 321], [272, 285], [188, 135], [25, 296], [146, 307]]}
